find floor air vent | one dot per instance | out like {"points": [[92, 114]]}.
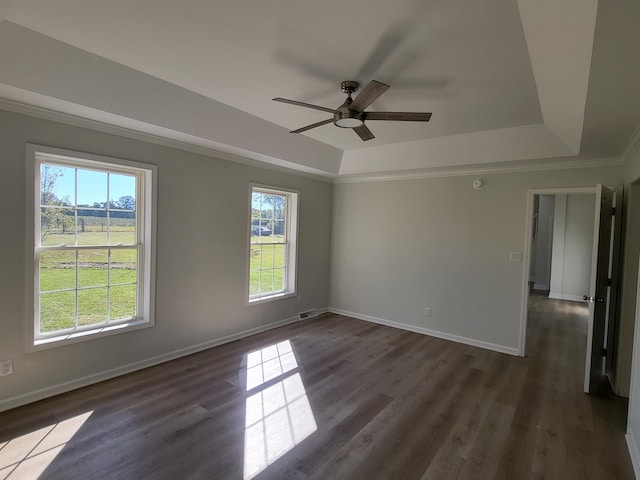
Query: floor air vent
{"points": [[308, 314]]}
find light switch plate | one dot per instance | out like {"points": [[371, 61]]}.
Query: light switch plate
{"points": [[515, 256]]}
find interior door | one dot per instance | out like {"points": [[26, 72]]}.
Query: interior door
{"points": [[597, 297], [613, 317]]}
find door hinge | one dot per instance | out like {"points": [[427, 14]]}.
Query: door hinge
{"points": [[604, 352], [613, 211], [608, 282]]}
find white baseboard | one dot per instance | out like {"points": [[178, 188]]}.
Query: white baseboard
{"points": [[43, 393], [564, 296], [539, 286], [633, 452], [432, 333]]}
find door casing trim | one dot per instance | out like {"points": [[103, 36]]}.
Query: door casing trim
{"points": [[526, 256]]}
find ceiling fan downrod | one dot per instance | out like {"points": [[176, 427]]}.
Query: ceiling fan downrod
{"points": [[349, 87]]}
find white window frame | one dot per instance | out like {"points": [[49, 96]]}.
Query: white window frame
{"points": [[146, 199], [291, 244]]}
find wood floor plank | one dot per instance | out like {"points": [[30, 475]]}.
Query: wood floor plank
{"points": [[483, 460], [451, 458], [311, 453], [517, 454], [386, 436], [550, 449]]}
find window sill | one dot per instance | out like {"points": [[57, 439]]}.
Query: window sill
{"points": [[84, 335], [271, 298]]}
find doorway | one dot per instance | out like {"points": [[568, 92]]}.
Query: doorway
{"points": [[570, 256], [562, 245]]}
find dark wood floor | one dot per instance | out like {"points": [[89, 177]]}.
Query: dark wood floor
{"points": [[336, 398]]}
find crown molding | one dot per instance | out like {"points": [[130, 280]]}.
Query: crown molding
{"points": [[95, 125], [534, 166], [632, 146], [540, 165]]}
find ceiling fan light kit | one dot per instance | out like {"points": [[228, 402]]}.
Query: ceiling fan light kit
{"points": [[348, 122], [351, 114]]}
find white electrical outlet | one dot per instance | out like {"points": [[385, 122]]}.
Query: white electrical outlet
{"points": [[6, 367], [515, 256], [427, 311]]}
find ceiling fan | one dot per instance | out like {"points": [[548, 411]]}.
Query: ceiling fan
{"points": [[351, 114]]}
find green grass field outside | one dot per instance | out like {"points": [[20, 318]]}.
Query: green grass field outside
{"points": [[96, 288], [91, 237], [266, 265]]}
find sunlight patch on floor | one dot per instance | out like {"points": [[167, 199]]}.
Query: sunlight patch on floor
{"points": [[269, 363], [577, 308], [28, 456], [278, 414]]}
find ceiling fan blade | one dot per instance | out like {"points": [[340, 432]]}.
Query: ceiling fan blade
{"points": [[369, 95], [388, 43], [364, 133], [300, 62], [302, 104], [398, 116], [313, 125]]}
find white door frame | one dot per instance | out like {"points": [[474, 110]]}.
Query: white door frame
{"points": [[527, 251]]}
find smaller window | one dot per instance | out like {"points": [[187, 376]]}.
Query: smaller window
{"points": [[272, 243]]}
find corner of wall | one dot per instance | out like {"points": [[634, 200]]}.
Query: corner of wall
{"points": [[631, 158], [634, 453]]}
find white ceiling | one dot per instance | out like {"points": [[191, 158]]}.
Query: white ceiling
{"points": [[507, 80]]}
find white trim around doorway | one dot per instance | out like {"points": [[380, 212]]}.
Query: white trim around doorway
{"points": [[527, 251]]}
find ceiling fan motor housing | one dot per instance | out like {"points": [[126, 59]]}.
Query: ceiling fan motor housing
{"points": [[349, 86]]}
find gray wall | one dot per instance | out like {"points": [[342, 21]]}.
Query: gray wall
{"points": [[629, 283], [629, 347], [201, 256], [400, 246], [541, 245], [572, 246]]}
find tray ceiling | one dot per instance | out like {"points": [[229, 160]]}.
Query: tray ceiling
{"points": [[506, 80]]}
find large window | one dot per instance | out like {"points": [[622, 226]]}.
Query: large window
{"points": [[92, 241], [272, 245]]}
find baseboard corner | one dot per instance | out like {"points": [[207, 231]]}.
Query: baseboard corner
{"points": [[632, 446]]}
